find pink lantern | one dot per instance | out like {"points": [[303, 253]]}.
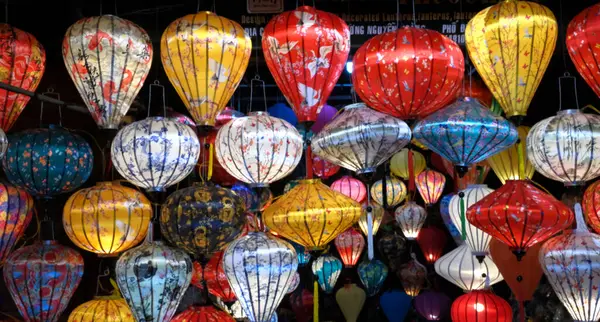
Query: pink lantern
{"points": [[350, 187], [350, 245], [430, 184]]}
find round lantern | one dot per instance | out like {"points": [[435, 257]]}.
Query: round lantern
{"points": [[445, 214], [591, 206], [399, 163], [391, 245], [41, 279], [202, 314], [411, 217], [431, 240], [511, 44], [323, 169], [465, 133], [463, 270], [360, 139], [108, 59], [328, 212], [107, 219], [395, 188], [412, 275], [350, 187], [350, 245], [520, 215], [430, 184], [263, 280], [16, 209], [306, 51], [252, 198], [23, 62], [102, 310], [327, 269], [258, 149], [216, 280], [423, 72], [202, 219], [48, 161], [302, 254], [481, 306], [395, 305], [377, 213], [372, 274], [564, 147], [506, 163], [432, 305], [351, 300], [302, 305]]}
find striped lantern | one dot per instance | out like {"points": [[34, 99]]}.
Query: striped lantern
{"points": [[399, 163], [481, 305], [16, 209], [350, 187], [591, 206], [506, 163], [395, 188], [462, 269], [327, 269], [377, 214], [411, 218], [294, 283], [350, 245], [372, 274], [102, 310], [202, 314], [430, 185]]}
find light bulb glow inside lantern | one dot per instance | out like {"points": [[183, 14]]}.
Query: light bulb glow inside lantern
{"points": [[349, 67], [479, 307]]}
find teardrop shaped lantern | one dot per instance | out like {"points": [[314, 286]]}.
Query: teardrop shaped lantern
{"points": [[351, 300], [205, 73], [108, 59], [465, 133], [432, 241], [360, 139], [395, 305], [216, 280], [445, 214], [350, 187], [350, 245], [430, 185], [252, 197], [481, 305], [22, 63], [306, 51], [520, 215], [462, 269], [311, 214], [506, 163], [303, 255], [203, 314], [432, 305], [410, 217], [564, 147], [107, 219], [412, 275], [259, 268], [395, 188], [102, 310], [399, 163], [48, 161], [42, 278], [511, 44], [408, 73], [363, 222], [372, 274], [591, 206], [327, 269], [16, 210]]}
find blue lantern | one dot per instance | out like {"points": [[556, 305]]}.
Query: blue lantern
{"points": [[465, 133], [284, 112], [372, 274], [251, 198], [395, 305], [327, 269], [303, 256], [445, 212], [48, 161]]}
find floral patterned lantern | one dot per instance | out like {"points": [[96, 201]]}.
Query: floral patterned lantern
{"points": [[350, 187], [377, 213], [395, 188], [591, 206], [42, 278], [203, 314], [372, 274], [294, 283], [424, 70], [431, 240], [197, 275], [306, 51], [399, 164], [351, 300], [581, 39], [350, 245], [432, 305], [481, 305], [430, 184], [445, 214], [327, 269], [411, 218], [360, 139], [108, 59], [16, 209], [303, 255], [460, 268], [506, 163], [252, 198], [412, 275], [102, 310], [216, 280], [323, 169]]}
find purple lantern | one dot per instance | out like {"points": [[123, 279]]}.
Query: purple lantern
{"points": [[432, 305], [326, 114]]}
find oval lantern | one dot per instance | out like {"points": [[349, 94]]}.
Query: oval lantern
{"points": [[445, 214], [511, 44], [461, 269], [22, 63], [323, 169], [399, 164], [430, 185], [408, 73], [481, 305], [432, 305], [16, 211], [41, 279], [351, 300], [591, 206], [363, 222], [563, 147], [303, 255], [102, 310], [107, 219], [506, 163], [350, 187], [268, 150], [395, 305], [202, 314], [360, 139], [216, 280], [252, 199], [395, 188], [108, 59], [48, 161], [350, 245], [306, 51], [410, 217], [327, 269], [432, 241], [412, 275], [372, 274]]}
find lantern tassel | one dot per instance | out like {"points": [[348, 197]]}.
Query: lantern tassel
{"points": [[315, 301], [521, 159], [463, 220], [210, 161], [581, 226], [411, 171]]}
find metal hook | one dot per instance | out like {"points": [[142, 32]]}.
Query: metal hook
{"points": [[261, 82], [106, 273], [567, 75], [50, 92], [156, 83]]}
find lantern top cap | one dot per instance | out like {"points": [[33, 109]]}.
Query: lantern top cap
{"points": [[310, 181], [480, 185], [568, 112], [355, 105], [258, 113]]}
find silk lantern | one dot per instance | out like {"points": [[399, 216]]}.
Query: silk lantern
{"points": [[311, 214], [16, 209], [197, 275], [219, 176], [302, 305], [465, 133], [107, 219], [591, 206], [432, 305], [252, 198], [202, 219], [411, 217], [395, 188], [41, 279], [306, 51], [481, 305], [445, 214], [323, 169], [377, 214], [395, 305], [476, 89], [431, 240], [216, 280], [102, 310], [350, 187], [511, 44], [520, 215], [391, 245], [360, 139], [202, 314], [372, 274], [258, 149], [227, 115], [412, 275], [22, 64], [564, 147], [284, 112], [351, 300], [506, 163], [461, 269], [108, 59], [259, 268], [581, 39], [350, 245], [325, 116], [327, 269], [399, 163], [294, 283], [205, 73], [430, 185], [303, 255], [417, 75]]}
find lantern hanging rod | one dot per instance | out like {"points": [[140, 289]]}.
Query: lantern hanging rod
{"points": [[43, 98]]}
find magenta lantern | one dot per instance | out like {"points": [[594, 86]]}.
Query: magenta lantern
{"points": [[432, 305], [350, 187]]}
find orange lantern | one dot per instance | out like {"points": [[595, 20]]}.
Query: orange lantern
{"points": [[216, 280]]}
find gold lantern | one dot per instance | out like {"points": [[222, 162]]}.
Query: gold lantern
{"points": [[399, 163], [506, 163], [102, 310], [395, 188]]}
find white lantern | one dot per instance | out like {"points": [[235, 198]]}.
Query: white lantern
{"points": [[155, 153], [478, 241], [463, 270], [411, 217], [294, 284], [258, 149]]}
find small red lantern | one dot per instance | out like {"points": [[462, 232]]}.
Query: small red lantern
{"points": [[591, 206], [481, 306], [302, 305], [216, 280], [197, 275], [432, 241], [430, 184], [203, 314], [476, 89], [350, 187], [350, 245], [323, 169]]}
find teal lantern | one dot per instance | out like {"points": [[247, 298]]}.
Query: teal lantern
{"points": [[327, 269], [372, 274], [303, 255]]}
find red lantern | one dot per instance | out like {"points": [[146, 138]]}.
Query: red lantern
{"points": [[197, 275], [591, 206], [302, 305], [481, 306], [219, 174], [520, 215], [476, 89], [350, 245], [216, 280], [432, 241], [226, 116], [323, 169], [306, 51], [582, 40], [408, 73], [203, 314], [430, 184], [350, 187]]}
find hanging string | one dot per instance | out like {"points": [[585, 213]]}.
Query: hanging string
{"points": [[50, 92], [397, 13], [562, 35], [566, 75], [370, 247], [198, 6], [521, 159], [463, 220], [414, 13]]}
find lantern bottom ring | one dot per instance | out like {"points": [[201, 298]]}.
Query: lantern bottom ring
{"points": [[519, 253], [366, 170], [258, 185], [110, 255]]}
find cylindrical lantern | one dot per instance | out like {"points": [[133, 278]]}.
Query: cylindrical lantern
{"points": [[412, 275], [102, 310], [303, 255], [327, 269], [395, 305], [506, 163], [216, 280], [351, 300], [432, 305], [395, 188], [323, 169], [350, 245], [377, 213], [350, 187], [360, 139], [411, 217], [481, 306], [399, 164], [202, 314], [408, 73], [372, 274], [462, 269], [258, 149], [591, 206], [41, 279], [430, 184], [252, 199], [431, 240], [16, 210], [328, 212], [107, 219], [48, 161]]}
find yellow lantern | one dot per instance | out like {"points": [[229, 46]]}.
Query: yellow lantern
{"points": [[312, 214], [399, 164], [506, 163], [205, 57], [395, 188], [377, 214], [511, 44], [107, 218], [102, 310]]}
